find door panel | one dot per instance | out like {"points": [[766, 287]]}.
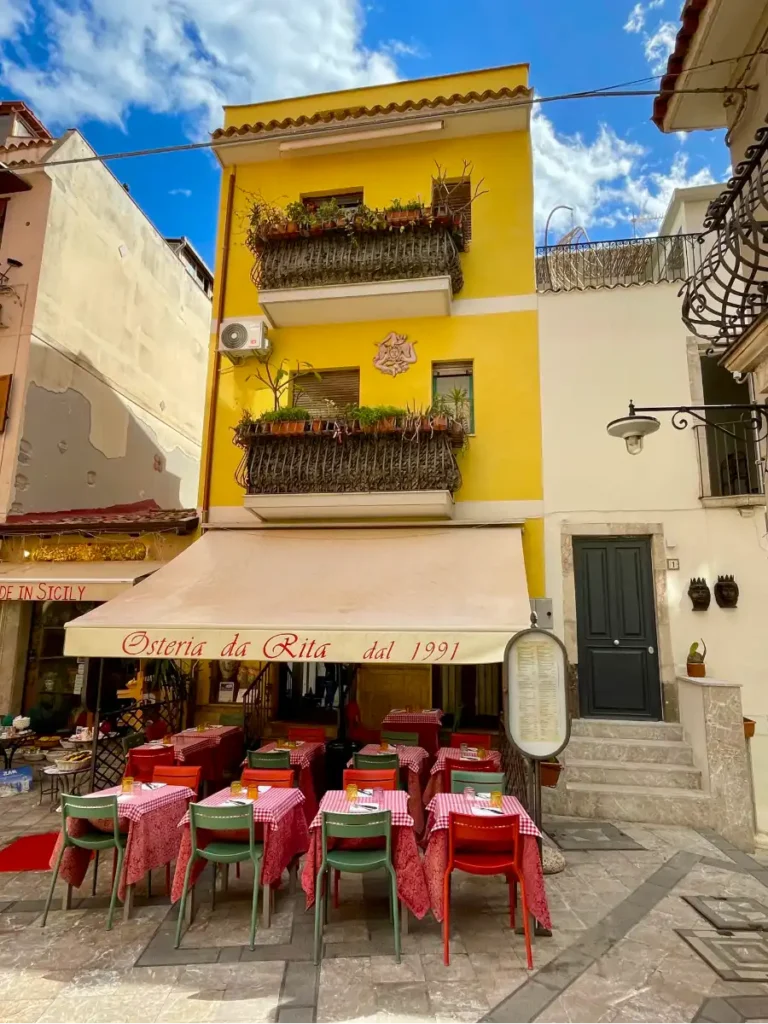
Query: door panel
{"points": [[616, 622], [383, 687]]}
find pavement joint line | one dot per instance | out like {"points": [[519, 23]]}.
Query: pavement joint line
{"points": [[534, 995]]}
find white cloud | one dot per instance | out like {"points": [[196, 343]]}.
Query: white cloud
{"points": [[607, 181], [105, 56], [186, 192], [636, 20], [658, 46]]}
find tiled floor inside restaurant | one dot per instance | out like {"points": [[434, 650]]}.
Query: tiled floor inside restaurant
{"points": [[626, 945]]}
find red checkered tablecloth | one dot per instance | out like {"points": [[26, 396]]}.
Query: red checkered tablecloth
{"points": [[395, 801], [444, 804], [412, 758], [454, 754], [301, 756], [153, 840], [398, 717], [280, 820]]}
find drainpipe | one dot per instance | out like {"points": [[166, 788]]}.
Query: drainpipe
{"points": [[205, 498]]}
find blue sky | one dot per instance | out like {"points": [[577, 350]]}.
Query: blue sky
{"points": [[134, 74]]}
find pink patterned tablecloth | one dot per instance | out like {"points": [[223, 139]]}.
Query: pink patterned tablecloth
{"points": [[436, 858], [151, 819], [413, 763], [453, 754], [411, 883], [226, 742], [427, 725], [280, 825], [309, 759]]}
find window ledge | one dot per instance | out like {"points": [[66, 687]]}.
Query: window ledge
{"points": [[734, 501]]}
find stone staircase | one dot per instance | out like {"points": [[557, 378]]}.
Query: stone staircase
{"points": [[629, 771]]}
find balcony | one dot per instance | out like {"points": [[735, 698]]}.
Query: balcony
{"points": [[730, 466], [340, 274], [318, 469], [585, 266]]}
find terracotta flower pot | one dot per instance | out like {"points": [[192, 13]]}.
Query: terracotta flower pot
{"points": [[550, 773], [749, 728], [317, 426], [387, 425], [295, 426], [697, 669]]}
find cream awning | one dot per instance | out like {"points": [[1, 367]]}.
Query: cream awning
{"points": [[70, 581], [421, 595]]}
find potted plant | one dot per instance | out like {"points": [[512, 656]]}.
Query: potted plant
{"points": [[550, 771], [413, 211], [288, 419], [695, 663], [395, 213], [279, 378]]}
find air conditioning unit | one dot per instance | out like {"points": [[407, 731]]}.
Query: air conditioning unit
{"points": [[245, 336]]}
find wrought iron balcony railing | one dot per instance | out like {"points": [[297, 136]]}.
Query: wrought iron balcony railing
{"points": [[728, 292], [329, 461], [616, 264], [729, 460], [341, 258]]}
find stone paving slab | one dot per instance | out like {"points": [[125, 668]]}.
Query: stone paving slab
{"points": [[596, 835]]}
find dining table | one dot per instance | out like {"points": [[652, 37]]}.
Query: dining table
{"points": [[454, 757], [414, 768], [308, 760], [280, 824], [225, 746], [436, 857], [411, 883], [150, 817], [427, 722]]}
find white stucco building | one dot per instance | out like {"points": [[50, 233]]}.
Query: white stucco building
{"points": [[625, 535]]}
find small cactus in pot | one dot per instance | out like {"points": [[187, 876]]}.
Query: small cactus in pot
{"points": [[695, 664]]}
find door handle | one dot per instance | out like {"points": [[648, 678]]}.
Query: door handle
{"points": [[651, 650], [616, 643]]}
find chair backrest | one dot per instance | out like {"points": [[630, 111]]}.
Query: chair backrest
{"points": [[270, 759], [220, 819], [280, 779], [133, 739], [489, 835], [377, 762], [230, 718], [308, 733], [155, 729], [381, 779], [408, 739], [178, 775], [144, 762], [472, 739], [357, 826], [92, 808], [481, 782]]}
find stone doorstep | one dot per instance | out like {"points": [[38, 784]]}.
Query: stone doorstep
{"points": [[659, 806], [610, 728], [635, 773], [613, 750]]}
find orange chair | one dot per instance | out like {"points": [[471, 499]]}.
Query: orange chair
{"points": [[465, 766], [370, 778], [486, 847], [308, 733], [280, 778], [472, 739], [178, 775], [142, 763]]}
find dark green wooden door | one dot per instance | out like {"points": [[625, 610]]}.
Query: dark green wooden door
{"points": [[616, 624]]}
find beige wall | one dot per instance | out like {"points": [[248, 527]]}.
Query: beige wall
{"points": [[114, 350], [598, 350]]}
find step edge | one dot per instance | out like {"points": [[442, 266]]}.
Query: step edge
{"points": [[607, 788], [631, 741], [659, 766]]}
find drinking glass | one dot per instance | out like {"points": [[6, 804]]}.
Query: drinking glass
{"points": [[378, 795], [236, 788], [167, 740], [496, 798], [280, 743], [351, 792], [126, 786], [482, 753], [463, 750], [253, 791], [200, 727], [136, 787], [469, 792]]}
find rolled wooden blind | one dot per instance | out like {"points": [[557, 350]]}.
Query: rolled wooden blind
{"points": [[342, 387]]}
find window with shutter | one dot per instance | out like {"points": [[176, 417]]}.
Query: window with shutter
{"points": [[348, 199], [327, 392], [456, 194], [453, 386]]}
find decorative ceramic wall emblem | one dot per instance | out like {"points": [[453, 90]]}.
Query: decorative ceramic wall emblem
{"points": [[699, 594], [395, 354], [726, 592]]}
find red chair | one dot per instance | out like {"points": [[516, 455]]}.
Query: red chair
{"points": [[178, 775], [280, 778], [465, 766], [486, 847], [370, 778], [472, 739], [308, 733], [155, 729], [142, 763]]}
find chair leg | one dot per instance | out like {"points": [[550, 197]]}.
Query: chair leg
{"points": [[255, 900], [319, 911], [95, 872], [213, 887], [526, 925], [53, 886], [512, 901], [446, 918], [115, 887], [168, 879], [237, 870], [114, 866], [183, 900], [395, 911], [336, 877]]}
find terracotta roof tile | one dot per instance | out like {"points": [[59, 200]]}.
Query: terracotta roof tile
{"points": [[139, 516], [690, 17], [378, 110]]}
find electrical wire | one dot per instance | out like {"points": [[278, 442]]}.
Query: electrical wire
{"points": [[617, 91]]}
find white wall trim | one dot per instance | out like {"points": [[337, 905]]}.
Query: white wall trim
{"points": [[496, 304], [465, 513]]}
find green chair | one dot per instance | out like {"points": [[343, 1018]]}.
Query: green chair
{"points": [[133, 739], [271, 759], [224, 851], [354, 826], [481, 782], [92, 809], [230, 718], [378, 762], [407, 739]]}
